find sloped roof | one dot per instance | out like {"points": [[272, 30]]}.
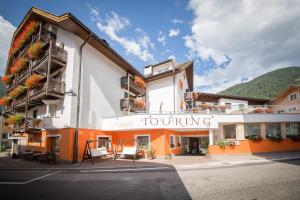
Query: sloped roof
{"points": [[285, 92]]}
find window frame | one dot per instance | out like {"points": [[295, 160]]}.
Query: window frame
{"points": [[178, 141], [174, 141], [268, 124], [224, 132], [286, 129], [245, 129], [103, 136], [142, 135]]}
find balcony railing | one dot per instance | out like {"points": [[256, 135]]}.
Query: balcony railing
{"points": [[22, 75], [21, 99], [132, 86], [35, 124], [55, 86], [128, 104]]}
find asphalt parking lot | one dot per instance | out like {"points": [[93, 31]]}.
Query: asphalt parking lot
{"points": [[273, 180]]}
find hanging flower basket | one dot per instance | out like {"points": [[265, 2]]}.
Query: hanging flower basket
{"points": [[4, 101], [17, 92], [140, 103], [6, 79], [35, 50], [33, 81], [23, 37], [205, 106], [139, 82], [18, 66], [15, 119]]}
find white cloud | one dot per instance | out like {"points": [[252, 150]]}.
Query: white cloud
{"points": [[257, 36], [6, 32], [113, 24], [172, 57], [173, 32], [161, 38], [177, 21]]}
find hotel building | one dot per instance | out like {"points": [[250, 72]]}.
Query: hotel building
{"points": [[61, 77]]}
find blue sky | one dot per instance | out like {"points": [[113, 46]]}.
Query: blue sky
{"points": [[229, 42]]}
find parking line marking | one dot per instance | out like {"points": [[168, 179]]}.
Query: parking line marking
{"points": [[25, 182], [124, 170]]}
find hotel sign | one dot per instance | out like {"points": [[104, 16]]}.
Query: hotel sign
{"points": [[160, 122]]}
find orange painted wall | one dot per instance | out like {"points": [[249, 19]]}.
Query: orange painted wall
{"points": [[248, 147]]}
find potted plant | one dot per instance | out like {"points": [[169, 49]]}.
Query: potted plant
{"points": [[139, 82], [4, 101], [35, 50], [151, 152], [222, 144], [33, 81], [6, 79], [17, 92]]}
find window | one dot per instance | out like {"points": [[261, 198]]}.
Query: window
{"points": [[52, 110], [241, 106], [272, 130], [178, 139], [143, 140], [229, 131], [103, 142], [252, 129], [292, 129], [4, 136], [293, 96], [172, 141], [228, 105], [291, 109], [34, 114]]}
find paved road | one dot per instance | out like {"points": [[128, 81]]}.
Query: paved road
{"points": [[280, 180]]}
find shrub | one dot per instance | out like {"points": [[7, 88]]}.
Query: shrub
{"points": [[6, 79], [294, 138], [275, 138], [24, 36], [4, 101], [35, 50], [224, 143], [254, 137], [18, 66], [33, 80], [139, 82], [17, 92]]}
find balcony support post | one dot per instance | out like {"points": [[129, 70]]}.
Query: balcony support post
{"points": [[48, 67], [128, 82]]}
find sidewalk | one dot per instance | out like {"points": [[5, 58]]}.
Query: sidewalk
{"points": [[178, 162]]}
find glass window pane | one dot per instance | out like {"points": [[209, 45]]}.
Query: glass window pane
{"points": [[229, 131], [273, 130], [292, 129], [251, 129]]}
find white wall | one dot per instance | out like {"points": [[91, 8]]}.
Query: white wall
{"points": [[166, 66], [160, 92], [101, 89], [179, 93]]}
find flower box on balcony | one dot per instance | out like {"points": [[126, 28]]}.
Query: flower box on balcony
{"points": [[17, 92], [30, 28], [140, 103], [33, 81], [139, 82], [268, 110], [4, 101], [258, 110], [15, 119], [20, 64], [6, 79], [35, 50]]}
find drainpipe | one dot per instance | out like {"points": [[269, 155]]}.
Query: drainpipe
{"points": [[75, 151]]}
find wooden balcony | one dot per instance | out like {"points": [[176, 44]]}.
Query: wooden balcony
{"points": [[22, 76], [45, 36], [34, 124], [128, 104], [133, 88], [52, 88]]}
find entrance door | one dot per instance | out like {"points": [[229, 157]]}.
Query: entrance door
{"points": [[194, 145], [54, 145]]}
